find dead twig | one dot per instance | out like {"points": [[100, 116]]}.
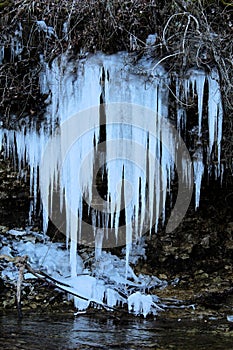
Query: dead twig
{"points": [[22, 264]]}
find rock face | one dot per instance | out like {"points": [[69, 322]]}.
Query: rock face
{"points": [[203, 241], [14, 196]]}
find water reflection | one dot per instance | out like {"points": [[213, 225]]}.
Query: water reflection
{"points": [[92, 332]]}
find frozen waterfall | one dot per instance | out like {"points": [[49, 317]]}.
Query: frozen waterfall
{"points": [[109, 124]]}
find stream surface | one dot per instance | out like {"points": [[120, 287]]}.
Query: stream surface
{"points": [[101, 332]]}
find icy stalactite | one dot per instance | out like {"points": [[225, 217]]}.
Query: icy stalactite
{"points": [[2, 53], [142, 304], [1, 138], [215, 114], [197, 83], [49, 31], [181, 95], [17, 43], [198, 168], [65, 30]]}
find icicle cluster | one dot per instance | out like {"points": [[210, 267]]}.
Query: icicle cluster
{"points": [[145, 158], [196, 83], [25, 147], [138, 148], [16, 45]]}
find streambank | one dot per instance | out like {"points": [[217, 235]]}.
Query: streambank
{"points": [[190, 93]]}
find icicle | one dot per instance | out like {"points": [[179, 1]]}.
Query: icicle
{"points": [[2, 54], [65, 30], [16, 43], [215, 114], [197, 81], [198, 167], [140, 304], [26, 146], [151, 39], [98, 243], [200, 82], [181, 119], [49, 31]]}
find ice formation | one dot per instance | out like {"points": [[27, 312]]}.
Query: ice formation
{"points": [[186, 89], [109, 114], [49, 31], [16, 45], [104, 284]]}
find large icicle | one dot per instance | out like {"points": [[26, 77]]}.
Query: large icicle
{"points": [[198, 174], [215, 114]]}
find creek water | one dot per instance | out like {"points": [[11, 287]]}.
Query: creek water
{"points": [[101, 332]]}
